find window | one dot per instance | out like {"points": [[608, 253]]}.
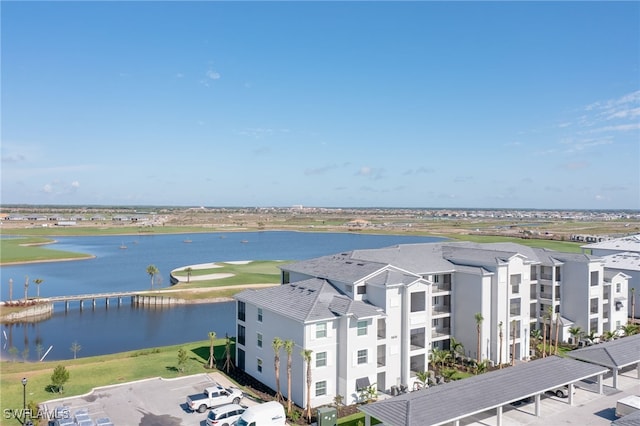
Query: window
{"points": [[259, 314], [515, 281], [362, 289], [418, 302], [514, 307], [259, 365], [618, 287], [321, 388], [558, 275], [534, 273], [594, 306], [285, 277], [259, 340], [362, 356], [321, 359], [362, 328], [595, 278], [321, 330], [241, 334], [241, 310]]}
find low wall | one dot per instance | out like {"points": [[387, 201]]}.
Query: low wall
{"points": [[30, 313], [142, 300]]}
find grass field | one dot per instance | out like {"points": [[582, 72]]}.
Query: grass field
{"points": [[90, 372], [32, 249]]}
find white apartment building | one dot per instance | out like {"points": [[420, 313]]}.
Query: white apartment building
{"points": [[371, 317], [621, 255]]}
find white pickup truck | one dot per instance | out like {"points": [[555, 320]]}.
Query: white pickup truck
{"points": [[214, 396]]}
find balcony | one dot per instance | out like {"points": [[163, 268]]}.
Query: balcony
{"points": [[437, 332], [440, 287], [545, 295], [441, 310]]}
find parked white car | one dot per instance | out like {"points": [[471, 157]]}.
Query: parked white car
{"points": [[225, 415]]}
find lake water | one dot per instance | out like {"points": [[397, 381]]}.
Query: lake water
{"points": [[114, 329]]}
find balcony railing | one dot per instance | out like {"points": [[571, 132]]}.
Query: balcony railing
{"points": [[545, 295], [436, 288], [381, 361], [441, 309], [440, 331]]}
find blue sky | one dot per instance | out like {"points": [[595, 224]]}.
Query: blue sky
{"points": [[337, 104]]}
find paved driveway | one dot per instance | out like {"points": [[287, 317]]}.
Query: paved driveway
{"points": [[150, 402]]}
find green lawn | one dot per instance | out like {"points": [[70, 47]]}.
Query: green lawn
{"points": [[32, 249], [254, 272], [90, 372]]}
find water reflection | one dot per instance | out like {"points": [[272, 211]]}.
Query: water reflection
{"points": [[104, 330]]}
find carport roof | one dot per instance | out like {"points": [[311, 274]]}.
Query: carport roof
{"points": [[614, 354], [456, 400]]}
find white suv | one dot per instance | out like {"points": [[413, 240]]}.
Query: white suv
{"points": [[225, 415]]}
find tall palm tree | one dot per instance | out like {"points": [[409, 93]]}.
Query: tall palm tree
{"points": [[38, 281], [479, 318], [26, 288], [152, 271], [188, 270], [288, 347], [306, 354], [277, 345], [500, 335], [212, 356]]}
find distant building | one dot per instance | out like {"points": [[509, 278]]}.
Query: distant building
{"points": [[372, 317]]}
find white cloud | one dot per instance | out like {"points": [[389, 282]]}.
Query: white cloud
{"points": [[213, 75]]}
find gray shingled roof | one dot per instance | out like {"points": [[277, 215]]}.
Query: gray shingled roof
{"points": [[456, 400], [614, 354], [309, 300], [340, 267]]}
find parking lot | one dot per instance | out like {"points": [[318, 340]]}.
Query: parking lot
{"points": [[151, 402]]}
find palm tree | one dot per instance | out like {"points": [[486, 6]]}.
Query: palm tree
{"points": [[212, 356], [38, 281], [629, 329], [455, 347], [438, 356], [288, 347], [608, 335], [306, 354], [575, 333], [152, 271], [481, 366], [479, 318], [26, 288], [500, 336], [423, 378], [228, 364], [277, 345], [188, 270]]}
